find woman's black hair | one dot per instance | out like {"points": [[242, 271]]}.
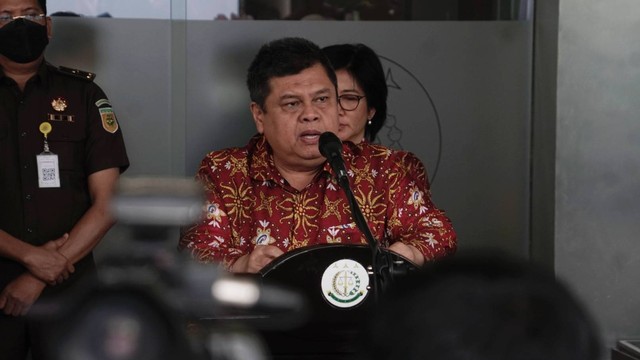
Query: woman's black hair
{"points": [[363, 64]]}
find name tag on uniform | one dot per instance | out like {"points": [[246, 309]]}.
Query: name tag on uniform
{"points": [[48, 172]]}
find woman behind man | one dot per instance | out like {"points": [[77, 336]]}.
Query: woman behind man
{"points": [[362, 91]]}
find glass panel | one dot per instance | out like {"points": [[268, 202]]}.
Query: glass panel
{"points": [[208, 9], [459, 94], [143, 9], [385, 10], [378, 10]]}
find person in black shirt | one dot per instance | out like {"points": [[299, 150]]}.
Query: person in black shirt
{"points": [[61, 154]]}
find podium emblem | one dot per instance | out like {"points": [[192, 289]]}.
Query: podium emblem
{"points": [[345, 283]]}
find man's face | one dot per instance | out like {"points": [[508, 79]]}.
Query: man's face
{"points": [[20, 7], [14, 8], [297, 110]]}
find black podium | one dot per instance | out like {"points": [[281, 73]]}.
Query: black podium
{"points": [[337, 282], [626, 350]]}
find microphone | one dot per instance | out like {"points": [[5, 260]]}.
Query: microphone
{"points": [[331, 148]]}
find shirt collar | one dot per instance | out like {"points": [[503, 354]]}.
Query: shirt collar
{"points": [[260, 161], [43, 72], [40, 75]]}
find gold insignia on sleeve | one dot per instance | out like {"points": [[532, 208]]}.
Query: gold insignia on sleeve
{"points": [[109, 122], [59, 104]]}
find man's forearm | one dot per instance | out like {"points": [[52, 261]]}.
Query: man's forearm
{"points": [[87, 233], [94, 224], [13, 248]]}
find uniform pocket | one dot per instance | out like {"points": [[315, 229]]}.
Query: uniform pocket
{"points": [[68, 142]]}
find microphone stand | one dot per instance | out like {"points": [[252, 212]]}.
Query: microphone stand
{"points": [[382, 265], [380, 262]]}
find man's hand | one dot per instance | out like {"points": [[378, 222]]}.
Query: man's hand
{"points": [[257, 259], [408, 251], [18, 296], [47, 264]]}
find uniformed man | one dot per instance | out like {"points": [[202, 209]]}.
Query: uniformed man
{"points": [[61, 153]]}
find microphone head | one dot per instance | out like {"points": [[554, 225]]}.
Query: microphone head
{"points": [[330, 145]]}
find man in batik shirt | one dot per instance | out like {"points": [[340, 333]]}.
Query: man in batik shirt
{"points": [[278, 193]]}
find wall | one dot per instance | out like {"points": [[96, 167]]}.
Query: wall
{"points": [[132, 60], [598, 159]]}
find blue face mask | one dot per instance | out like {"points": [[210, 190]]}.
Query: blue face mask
{"points": [[23, 41]]}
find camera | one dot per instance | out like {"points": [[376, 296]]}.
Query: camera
{"points": [[152, 302]]}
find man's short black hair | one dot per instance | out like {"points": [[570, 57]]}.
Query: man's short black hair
{"points": [[43, 5], [283, 57]]}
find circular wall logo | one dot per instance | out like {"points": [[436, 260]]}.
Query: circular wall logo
{"points": [[423, 135]]}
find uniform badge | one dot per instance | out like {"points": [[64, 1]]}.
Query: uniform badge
{"points": [[109, 122], [61, 117], [59, 104]]}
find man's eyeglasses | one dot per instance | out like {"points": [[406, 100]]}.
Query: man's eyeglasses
{"points": [[36, 18], [349, 102]]}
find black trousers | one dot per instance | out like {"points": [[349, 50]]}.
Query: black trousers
{"points": [[36, 333], [21, 334]]}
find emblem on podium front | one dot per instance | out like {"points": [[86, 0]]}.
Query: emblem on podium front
{"points": [[345, 283]]}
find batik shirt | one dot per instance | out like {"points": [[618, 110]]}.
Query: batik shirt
{"points": [[249, 203]]}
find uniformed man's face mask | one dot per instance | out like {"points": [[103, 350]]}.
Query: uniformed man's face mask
{"points": [[22, 40]]}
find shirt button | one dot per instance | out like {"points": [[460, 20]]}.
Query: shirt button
{"points": [[24, 133], [28, 197], [29, 230], [25, 166]]}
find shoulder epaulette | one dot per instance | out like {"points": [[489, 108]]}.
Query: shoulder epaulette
{"points": [[77, 73]]}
